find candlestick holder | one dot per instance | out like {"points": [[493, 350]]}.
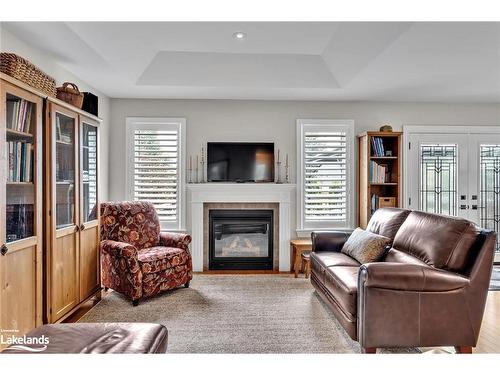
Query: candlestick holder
{"points": [[278, 169], [202, 171], [286, 174], [202, 166], [190, 175]]}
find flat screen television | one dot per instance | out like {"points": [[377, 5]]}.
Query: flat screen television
{"points": [[240, 162]]}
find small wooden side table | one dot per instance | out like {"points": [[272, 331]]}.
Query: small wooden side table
{"points": [[299, 246], [306, 264]]}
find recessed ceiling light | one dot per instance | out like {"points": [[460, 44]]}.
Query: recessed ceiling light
{"points": [[239, 35]]}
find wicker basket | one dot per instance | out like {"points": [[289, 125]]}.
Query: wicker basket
{"points": [[21, 69], [69, 93]]}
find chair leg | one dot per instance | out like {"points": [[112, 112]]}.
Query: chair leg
{"points": [[135, 302], [369, 350], [463, 349], [106, 288], [187, 284]]}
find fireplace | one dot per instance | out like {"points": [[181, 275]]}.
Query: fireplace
{"points": [[240, 239]]}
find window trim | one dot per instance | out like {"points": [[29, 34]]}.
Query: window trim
{"points": [[159, 123], [303, 227]]}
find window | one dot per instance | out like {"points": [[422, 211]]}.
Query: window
{"points": [[155, 166], [325, 170]]}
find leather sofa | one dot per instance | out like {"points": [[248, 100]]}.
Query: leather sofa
{"points": [[429, 289], [94, 338]]}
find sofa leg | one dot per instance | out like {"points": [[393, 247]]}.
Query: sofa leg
{"points": [[369, 350], [135, 302], [106, 288], [187, 284], [463, 349]]}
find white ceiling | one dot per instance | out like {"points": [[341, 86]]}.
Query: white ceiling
{"points": [[445, 62]]}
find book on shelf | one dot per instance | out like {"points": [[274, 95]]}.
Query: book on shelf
{"points": [[378, 146], [18, 116], [20, 161], [379, 173]]}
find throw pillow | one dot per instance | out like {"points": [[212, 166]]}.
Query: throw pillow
{"points": [[365, 246]]}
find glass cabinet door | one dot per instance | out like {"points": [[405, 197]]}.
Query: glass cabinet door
{"points": [[89, 172], [65, 170], [20, 144]]}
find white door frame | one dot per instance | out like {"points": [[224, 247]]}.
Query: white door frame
{"points": [[408, 130]]}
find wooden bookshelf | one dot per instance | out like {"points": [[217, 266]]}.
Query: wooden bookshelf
{"points": [[71, 233], [21, 187], [47, 268], [379, 175]]}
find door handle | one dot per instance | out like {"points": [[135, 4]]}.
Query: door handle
{"points": [[4, 249], [82, 227], [77, 228]]}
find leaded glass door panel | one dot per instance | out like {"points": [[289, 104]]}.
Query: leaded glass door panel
{"points": [[485, 183], [438, 177], [457, 175]]}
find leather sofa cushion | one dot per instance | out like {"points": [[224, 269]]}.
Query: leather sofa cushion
{"points": [[365, 246], [386, 221], [342, 283], [397, 256], [327, 259], [439, 241], [100, 338]]}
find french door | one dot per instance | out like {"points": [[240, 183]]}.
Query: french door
{"points": [[455, 171]]}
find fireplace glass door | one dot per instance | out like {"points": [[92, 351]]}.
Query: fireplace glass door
{"points": [[241, 239]]}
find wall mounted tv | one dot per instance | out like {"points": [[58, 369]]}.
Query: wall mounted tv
{"points": [[240, 162]]}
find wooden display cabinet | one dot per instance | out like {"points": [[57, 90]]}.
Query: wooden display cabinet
{"points": [[71, 209], [20, 207]]}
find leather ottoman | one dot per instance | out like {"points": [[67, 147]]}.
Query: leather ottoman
{"points": [[99, 338]]}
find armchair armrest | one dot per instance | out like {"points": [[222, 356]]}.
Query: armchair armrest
{"points": [[119, 249], [329, 240], [409, 277], [171, 239], [120, 267]]}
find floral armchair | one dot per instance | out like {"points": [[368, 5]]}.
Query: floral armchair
{"points": [[136, 258]]}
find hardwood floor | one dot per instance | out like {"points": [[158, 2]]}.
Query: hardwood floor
{"points": [[489, 338]]}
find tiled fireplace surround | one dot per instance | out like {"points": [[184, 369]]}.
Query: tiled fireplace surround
{"points": [[209, 196], [242, 206]]}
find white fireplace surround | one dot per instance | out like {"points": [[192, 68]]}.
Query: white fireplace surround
{"points": [[198, 194]]}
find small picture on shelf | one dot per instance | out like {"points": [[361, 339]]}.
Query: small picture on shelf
{"points": [[388, 153]]}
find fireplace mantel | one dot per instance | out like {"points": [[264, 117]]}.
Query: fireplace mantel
{"points": [[198, 194]]}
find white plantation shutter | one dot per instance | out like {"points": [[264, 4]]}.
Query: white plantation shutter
{"points": [[325, 185], [155, 168], [156, 162], [326, 168]]}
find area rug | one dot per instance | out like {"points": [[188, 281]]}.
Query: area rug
{"points": [[495, 278], [237, 314]]}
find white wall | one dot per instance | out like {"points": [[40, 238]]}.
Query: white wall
{"points": [[48, 64], [234, 120]]}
